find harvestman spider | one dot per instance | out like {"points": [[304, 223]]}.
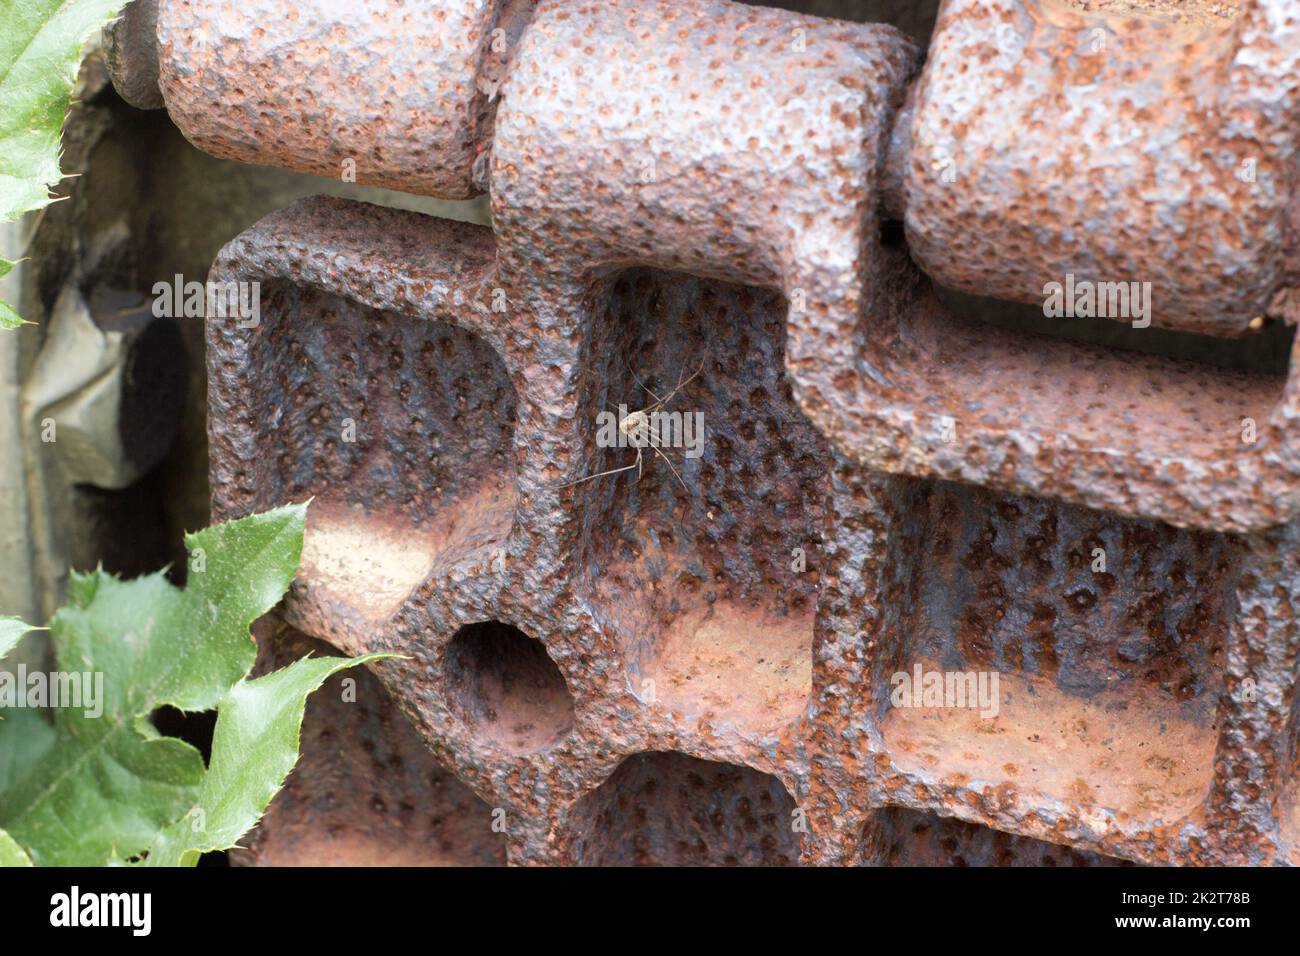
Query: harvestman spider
{"points": [[639, 429]]}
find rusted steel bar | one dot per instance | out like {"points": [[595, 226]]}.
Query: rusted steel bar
{"points": [[707, 184], [1049, 140], [1162, 677], [392, 94], [1042, 140]]}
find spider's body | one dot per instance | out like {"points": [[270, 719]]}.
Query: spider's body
{"points": [[636, 426], [640, 430]]}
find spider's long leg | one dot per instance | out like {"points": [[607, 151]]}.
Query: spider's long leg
{"points": [[656, 443], [602, 474], [682, 384], [670, 465], [658, 400]]}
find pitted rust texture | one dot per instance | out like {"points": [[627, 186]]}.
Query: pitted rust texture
{"points": [[899, 837], [1147, 149], [667, 809], [876, 363], [1143, 436], [1147, 711], [366, 791], [131, 44], [620, 581], [403, 91], [1140, 435], [570, 644], [1144, 136], [713, 158], [1122, 731]]}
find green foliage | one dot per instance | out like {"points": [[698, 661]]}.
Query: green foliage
{"points": [[254, 747], [40, 49], [92, 790], [11, 632], [11, 854], [9, 319]]}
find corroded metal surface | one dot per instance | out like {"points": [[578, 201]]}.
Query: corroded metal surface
{"points": [[404, 92], [1138, 146], [1113, 141], [672, 615], [366, 791], [131, 44], [1145, 708], [695, 665], [931, 393], [898, 837], [642, 593], [667, 809]]}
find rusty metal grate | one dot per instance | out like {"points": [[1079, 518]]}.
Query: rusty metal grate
{"points": [[698, 668]]}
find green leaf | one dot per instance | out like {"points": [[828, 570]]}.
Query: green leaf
{"points": [[9, 319], [26, 743], [30, 736], [11, 854], [40, 50], [11, 632], [254, 746], [107, 786]]}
